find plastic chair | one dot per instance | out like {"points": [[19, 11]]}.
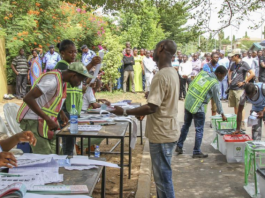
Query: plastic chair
{"points": [[10, 111], [3, 128]]}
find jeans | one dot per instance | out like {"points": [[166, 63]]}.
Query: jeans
{"points": [[143, 80], [68, 142], [120, 80], [161, 155], [257, 129], [199, 119], [223, 88], [21, 85]]}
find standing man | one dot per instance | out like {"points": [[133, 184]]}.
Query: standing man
{"points": [[206, 60], [204, 87], [254, 94], [87, 55], [249, 60], [196, 66], [149, 70], [185, 69], [162, 112], [256, 65], [224, 84], [20, 67], [261, 67], [50, 59], [210, 68], [237, 79], [128, 62]]}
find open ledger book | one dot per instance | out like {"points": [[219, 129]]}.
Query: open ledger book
{"points": [[15, 190]]}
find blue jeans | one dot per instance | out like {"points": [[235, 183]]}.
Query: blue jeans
{"points": [[199, 119], [68, 142], [143, 80], [223, 88], [120, 80], [161, 155]]}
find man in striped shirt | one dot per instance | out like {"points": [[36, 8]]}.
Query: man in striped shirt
{"points": [[20, 66]]}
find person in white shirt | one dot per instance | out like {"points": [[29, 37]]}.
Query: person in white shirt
{"points": [[185, 69], [250, 61], [256, 63], [149, 69], [224, 83]]}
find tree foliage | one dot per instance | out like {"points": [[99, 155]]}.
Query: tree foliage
{"points": [[112, 60]]}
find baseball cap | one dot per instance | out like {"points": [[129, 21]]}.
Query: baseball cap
{"points": [[51, 46], [79, 68], [234, 52]]}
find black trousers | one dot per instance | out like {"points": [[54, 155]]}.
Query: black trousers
{"points": [[21, 85], [183, 82]]}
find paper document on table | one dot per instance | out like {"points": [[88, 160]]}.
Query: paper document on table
{"points": [[47, 162], [34, 195], [98, 66], [88, 127], [79, 167], [46, 170], [89, 162], [134, 129], [41, 156], [61, 189]]}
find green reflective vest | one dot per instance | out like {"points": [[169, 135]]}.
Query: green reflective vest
{"points": [[74, 94], [198, 90]]}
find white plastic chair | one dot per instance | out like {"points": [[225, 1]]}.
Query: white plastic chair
{"points": [[3, 128], [10, 111]]}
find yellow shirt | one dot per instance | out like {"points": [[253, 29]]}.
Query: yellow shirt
{"points": [[162, 126]]}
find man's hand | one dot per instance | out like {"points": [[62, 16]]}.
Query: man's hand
{"points": [[52, 125], [176, 68], [95, 60], [146, 94], [224, 118], [104, 101], [64, 118], [7, 159], [240, 84], [27, 136], [17, 73], [154, 71], [236, 132], [260, 114], [117, 110], [140, 118]]}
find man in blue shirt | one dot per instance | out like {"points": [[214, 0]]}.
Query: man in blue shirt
{"points": [[87, 55], [224, 84], [50, 59], [210, 68]]}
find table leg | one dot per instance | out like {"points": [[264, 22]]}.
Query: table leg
{"points": [[57, 145], [82, 149], [255, 175], [88, 144], [141, 131], [103, 182], [130, 151], [107, 141], [121, 169]]}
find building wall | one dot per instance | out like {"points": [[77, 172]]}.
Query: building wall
{"points": [[3, 80]]}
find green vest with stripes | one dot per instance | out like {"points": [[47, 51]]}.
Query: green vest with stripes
{"points": [[198, 90]]}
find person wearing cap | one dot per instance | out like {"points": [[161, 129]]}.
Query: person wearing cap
{"points": [[236, 80], [50, 59], [224, 84], [87, 55], [38, 113]]}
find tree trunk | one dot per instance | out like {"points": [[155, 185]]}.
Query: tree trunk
{"points": [[110, 86]]}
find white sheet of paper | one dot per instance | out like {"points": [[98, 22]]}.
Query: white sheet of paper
{"points": [[40, 156], [79, 167], [33, 195], [98, 66], [88, 127], [89, 162]]}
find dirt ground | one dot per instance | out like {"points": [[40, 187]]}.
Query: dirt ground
{"points": [[113, 174]]}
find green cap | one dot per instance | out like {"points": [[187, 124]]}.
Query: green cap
{"points": [[79, 68]]}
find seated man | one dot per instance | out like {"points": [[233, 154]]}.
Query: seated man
{"points": [[204, 87], [7, 159], [89, 99], [255, 94]]}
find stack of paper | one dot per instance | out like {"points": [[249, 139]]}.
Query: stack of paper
{"points": [[88, 128], [89, 162]]}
